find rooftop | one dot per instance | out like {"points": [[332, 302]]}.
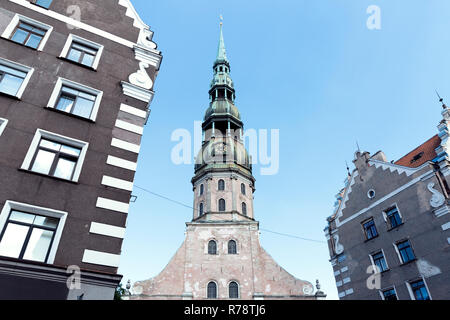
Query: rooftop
{"points": [[420, 155]]}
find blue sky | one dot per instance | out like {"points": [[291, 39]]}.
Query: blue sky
{"points": [[311, 69]]}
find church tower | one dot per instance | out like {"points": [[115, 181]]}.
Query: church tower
{"points": [[221, 257]]}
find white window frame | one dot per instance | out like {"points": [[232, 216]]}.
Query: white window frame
{"points": [[61, 215], [61, 139], [3, 124], [373, 262], [77, 86], [74, 38], [385, 214], [395, 244], [388, 288], [15, 21], [411, 293], [14, 65]]}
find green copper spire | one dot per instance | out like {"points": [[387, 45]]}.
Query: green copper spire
{"points": [[221, 52]]}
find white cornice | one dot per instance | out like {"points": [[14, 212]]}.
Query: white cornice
{"points": [[136, 92]]}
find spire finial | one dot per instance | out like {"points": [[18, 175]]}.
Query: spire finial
{"points": [[441, 100], [221, 52], [221, 20]]}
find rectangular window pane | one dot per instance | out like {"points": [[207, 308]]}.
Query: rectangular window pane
{"points": [[10, 84], [13, 240], [22, 217], [83, 107], [74, 55], [71, 151], [34, 41], [64, 169], [19, 36], [46, 222], [44, 3], [13, 71], [88, 60], [65, 103], [38, 245], [43, 162], [50, 145]]}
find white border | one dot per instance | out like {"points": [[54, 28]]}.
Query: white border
{"points": [[20, 67], [217, 290], [61, 215], [121, 163], [15, 21], [112, 205], [117, 183], [386, 289], [134, 111], [121, 144], [3, 124], [71, 38], [77, 86], [61, 139], [375, 267]]}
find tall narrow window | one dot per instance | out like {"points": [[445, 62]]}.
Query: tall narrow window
{"points": [[222, 205], [28, 236], [243, 188], [244, 208], [233, 290], [212, 290], [212, 247], [370, 230], [221, 185], [380, 261], [393, 218], [202, 189], [28, 35], [419, 290], [405, 251], [232, 247], [200, 210]]}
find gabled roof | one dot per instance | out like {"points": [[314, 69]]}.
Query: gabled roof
{"points": [[420, 155]]}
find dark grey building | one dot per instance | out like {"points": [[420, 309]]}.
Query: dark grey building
{"points": [[389, 234], [76, 80]]}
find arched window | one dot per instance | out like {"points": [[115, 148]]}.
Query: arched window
{"points": [[221, 185], [202, 189], [212, 290], [222, 205], [243, 188], [200, 210], [232, 247], [233, 290], [212, 247], [244, 208]]}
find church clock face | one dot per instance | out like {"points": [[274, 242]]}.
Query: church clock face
{"points": [[308, 289], [220, 148]]}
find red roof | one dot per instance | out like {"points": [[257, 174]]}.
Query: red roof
{"points": [[420, 155]]}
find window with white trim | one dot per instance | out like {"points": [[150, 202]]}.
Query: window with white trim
{"points": [[28, 32], [212, 290], [233, 290], [42, 3], [56, 156], [3, 123], [82, 51], [14, 78], [389, 294], [30, 233], [76, 99], [418, 290], [379, 261]]}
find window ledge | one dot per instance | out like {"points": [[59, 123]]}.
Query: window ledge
{"points": [[367, 240], [77, 64], [70, 114], [395, 228], [20, 44], [409, 262], [47, 176], [10, 96]]}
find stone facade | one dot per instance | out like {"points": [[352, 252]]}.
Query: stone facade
{"points": [[388, 237], [221, 257], [92, 204]]}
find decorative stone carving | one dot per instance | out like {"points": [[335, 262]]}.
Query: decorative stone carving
{"points": [[338, 248], [141, 78], [437, 199]]}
